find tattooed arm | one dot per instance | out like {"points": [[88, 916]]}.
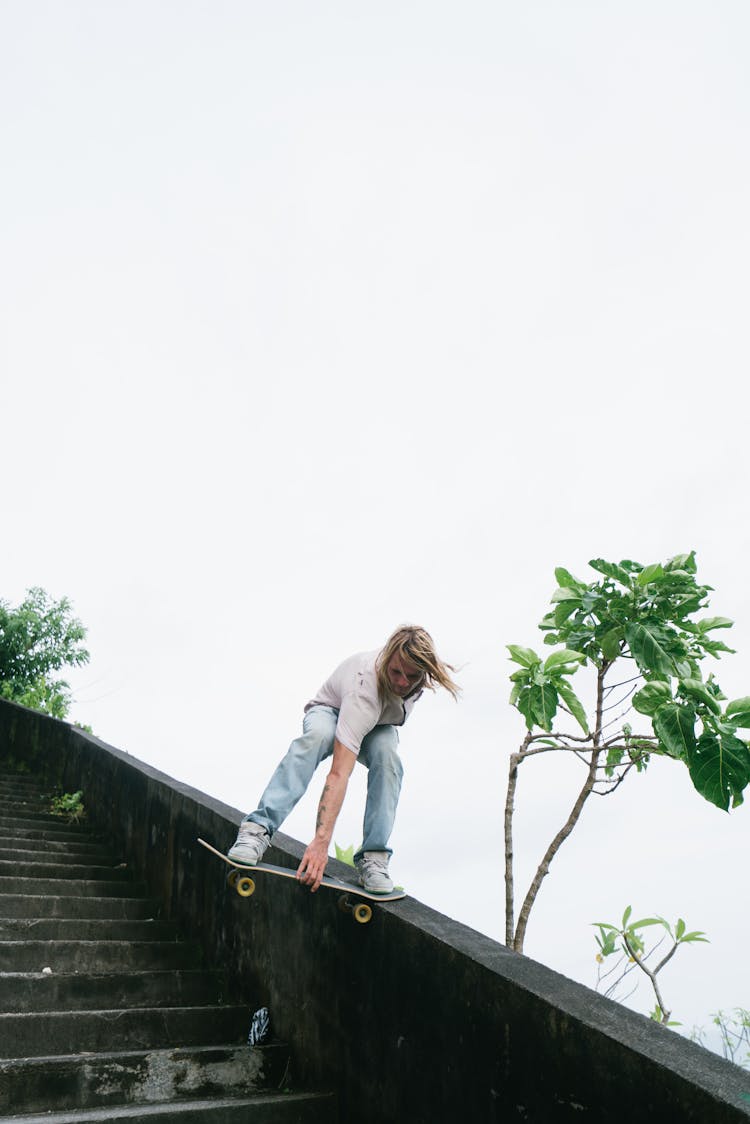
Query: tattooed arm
{"points": [[313, 865]]}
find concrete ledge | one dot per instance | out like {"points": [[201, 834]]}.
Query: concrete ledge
{"points": [[414, 1016]]}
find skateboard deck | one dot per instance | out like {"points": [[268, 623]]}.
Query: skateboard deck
{"points": [[241, 878]]}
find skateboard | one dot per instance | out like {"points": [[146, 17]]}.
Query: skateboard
{"points": [[244, 885]]}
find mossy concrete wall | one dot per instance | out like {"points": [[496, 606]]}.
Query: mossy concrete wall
{"points": [[412, 1017]]}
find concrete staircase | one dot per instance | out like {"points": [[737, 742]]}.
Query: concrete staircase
{"points": [[105, 1014]]}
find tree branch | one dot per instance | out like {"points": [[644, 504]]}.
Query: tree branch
{"points": [[554, 847], [620, 701], [665, 1014], [572, 820], [515, 761]]}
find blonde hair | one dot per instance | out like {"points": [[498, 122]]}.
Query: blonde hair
{"points": [[415, 645]]}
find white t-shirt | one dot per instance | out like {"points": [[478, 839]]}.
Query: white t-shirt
{"points": [[352, 689]]}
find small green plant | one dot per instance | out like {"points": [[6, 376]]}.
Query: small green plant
{"points": [[345, 855], [69, 806], [626, 942], [734, 1033]]}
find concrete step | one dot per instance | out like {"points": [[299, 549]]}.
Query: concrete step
{"points": [[26, 835], [135, 1028], [98, 957], [10, 805], [54, 850], [75, 1082], [54, 869], [22, 780], [81, 929], [32, 821], [59, 905], [12, 802], [10, 790], [56, 855], [72, 887], [24, 992], [47, 831], [267, 1108], [34, 841]]}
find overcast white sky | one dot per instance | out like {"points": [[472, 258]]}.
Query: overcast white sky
{"points": [[322, 317]]}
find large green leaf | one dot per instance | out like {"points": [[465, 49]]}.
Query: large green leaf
{"points": [[650, 574], [644, 921], [563, 593], [710, 623], [610, 643], [527, 657], [543, 705], [563, 610], [684, 562], [720, 768], [573, 703], [698, 690], [675, 728], [716, 646], [611, 570], [565, 658], [566, 579], [648, 648], [522, 702], [651, 697], [538, 705], [738, 712]]}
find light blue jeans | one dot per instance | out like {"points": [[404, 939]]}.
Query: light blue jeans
{"points": [[378, 752]]}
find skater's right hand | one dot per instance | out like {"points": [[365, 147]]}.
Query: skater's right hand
{"points": [[313, 865]]}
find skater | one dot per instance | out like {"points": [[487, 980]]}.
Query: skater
{"points": [[355, 715]]}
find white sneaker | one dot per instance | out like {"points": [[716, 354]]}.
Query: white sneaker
{"points": [[372, 868], [250, 844]]}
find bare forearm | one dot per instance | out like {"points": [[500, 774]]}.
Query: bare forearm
{"points": [[330, 806], [314, 860]]}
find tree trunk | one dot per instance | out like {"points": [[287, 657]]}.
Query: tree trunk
{"points": [[543, 869]]}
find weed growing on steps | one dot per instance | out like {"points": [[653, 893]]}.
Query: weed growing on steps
{"points": [[69, 806]]}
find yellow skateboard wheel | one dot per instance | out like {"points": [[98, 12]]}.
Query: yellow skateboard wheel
{"points": [[245, 887], [362, 913]]}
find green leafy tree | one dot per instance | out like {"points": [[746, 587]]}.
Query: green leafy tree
{"points": [[39, 638], [635, 629]]}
